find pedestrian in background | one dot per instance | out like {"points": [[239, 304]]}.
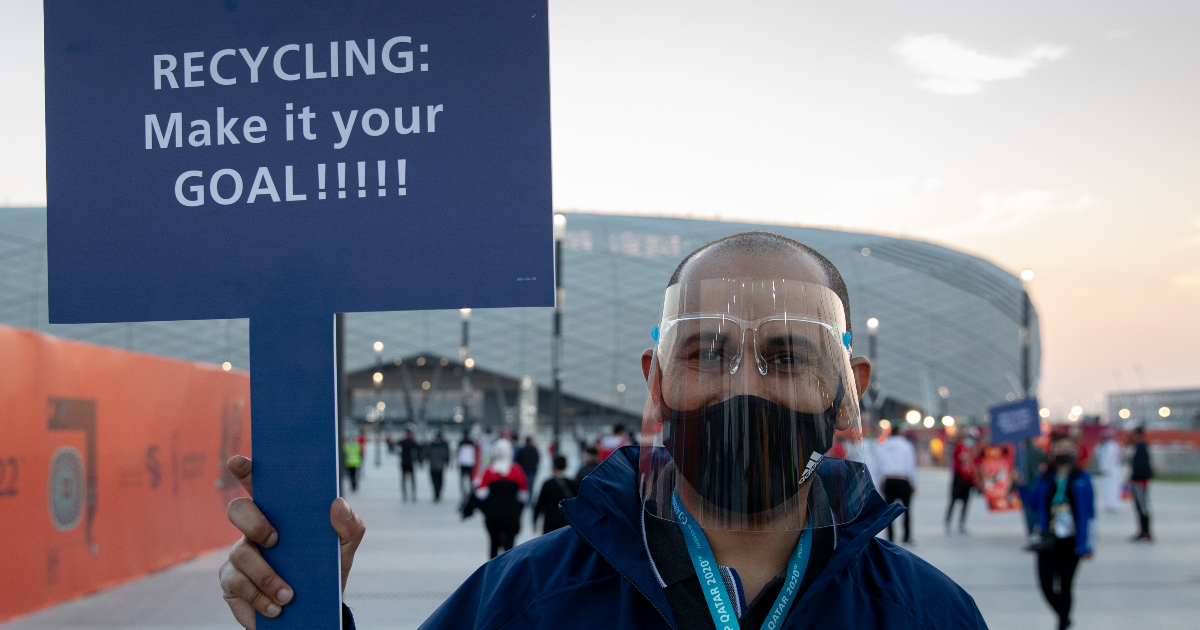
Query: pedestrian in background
{"points": [[610, 443], [1109, 455], [591, 461], [352, 458], [1065, 507], [466, 464], [437, 453], [410, 458], [484, 451], [962, 479], [556, 490], [528, 459], [1140, 474], [501, 494], [1031, 465], [897, 461]]}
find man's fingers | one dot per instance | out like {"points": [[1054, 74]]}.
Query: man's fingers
{"points": [[243, 597], [245, 558], [246, 517], [350, 530], [243, 613], [242, 468], [348, 525]]}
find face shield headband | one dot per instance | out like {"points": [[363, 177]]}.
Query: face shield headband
{"points": [[750, 390]]}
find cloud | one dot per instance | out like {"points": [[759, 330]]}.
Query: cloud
{"points": [[951, 68], [1013, 210], [1007, 211]]}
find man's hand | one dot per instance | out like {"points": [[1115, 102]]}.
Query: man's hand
{"points": [[247, 581]]}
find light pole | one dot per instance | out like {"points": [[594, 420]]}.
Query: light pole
{"points": [[464, 355], [872, 331], [377, 378], [560, 230]]}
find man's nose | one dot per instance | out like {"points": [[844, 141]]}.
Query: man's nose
{"points": [[749, 377]]}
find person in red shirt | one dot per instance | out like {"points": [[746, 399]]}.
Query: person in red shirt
{"points": [[962, 460], [610, 443], [501, 495]]}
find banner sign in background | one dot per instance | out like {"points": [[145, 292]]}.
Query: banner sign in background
{"points": [[1015, 421], [285, 161], [214, 159], [111, 465]]}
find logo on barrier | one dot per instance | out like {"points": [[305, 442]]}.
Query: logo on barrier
{"points": [[66, 488]]}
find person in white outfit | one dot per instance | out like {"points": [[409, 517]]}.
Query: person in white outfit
{"points": [[896, 460], [1110, 466]]}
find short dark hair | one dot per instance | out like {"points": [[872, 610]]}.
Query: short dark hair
{"points": [[897, 427], [763, 242], [560, 462]]}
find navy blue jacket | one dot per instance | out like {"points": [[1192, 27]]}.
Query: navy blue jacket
{"points": [[1083, 505], [596, 574]]}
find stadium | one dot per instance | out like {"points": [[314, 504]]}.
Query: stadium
{"points": [[947, 338]]}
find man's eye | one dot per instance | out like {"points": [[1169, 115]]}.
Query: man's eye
{"points": [[788, 359]]}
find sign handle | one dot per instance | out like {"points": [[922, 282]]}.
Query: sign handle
{"points": [[295, 445]]}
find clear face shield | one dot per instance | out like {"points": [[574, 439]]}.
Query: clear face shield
{"points": [[753, 412]]}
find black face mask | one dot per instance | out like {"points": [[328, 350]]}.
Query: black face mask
{"points": [[1064, 460], [740, 454]]}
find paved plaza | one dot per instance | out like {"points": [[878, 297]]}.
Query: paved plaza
{"points": [[414, 556]]}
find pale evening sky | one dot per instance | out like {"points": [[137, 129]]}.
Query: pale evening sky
{"points": [[1062, 137]]}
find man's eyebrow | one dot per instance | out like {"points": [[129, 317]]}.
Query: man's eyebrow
{"points": [[705, 337], [790, 339]]}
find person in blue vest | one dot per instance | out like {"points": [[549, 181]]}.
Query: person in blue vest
{"points": [[728, 513], [1064, 502]]}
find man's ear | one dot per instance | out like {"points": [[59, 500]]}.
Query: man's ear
{"points": [[861, 367], [647, 359]]}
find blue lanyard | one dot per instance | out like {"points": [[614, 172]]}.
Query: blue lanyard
{"points": [[720, 606]]}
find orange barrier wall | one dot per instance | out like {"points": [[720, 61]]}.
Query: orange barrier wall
{"points": [[111, 465]]}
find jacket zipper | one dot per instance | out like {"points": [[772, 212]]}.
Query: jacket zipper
{"points": [[619, 572]]}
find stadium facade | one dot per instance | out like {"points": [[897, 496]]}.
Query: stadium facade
{"points": [[1175, 409], [947, 340]]}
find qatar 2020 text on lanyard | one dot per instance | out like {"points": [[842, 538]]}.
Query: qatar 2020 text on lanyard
{"points": [[720, 606]]}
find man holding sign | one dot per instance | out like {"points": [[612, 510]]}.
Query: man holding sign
{"points": [[729, 513]]}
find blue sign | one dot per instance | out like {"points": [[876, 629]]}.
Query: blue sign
{"points": [[285, 161], [1015, 421], [213, 159]]}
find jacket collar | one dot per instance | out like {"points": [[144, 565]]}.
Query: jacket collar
{"points": [[607, 515]]}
